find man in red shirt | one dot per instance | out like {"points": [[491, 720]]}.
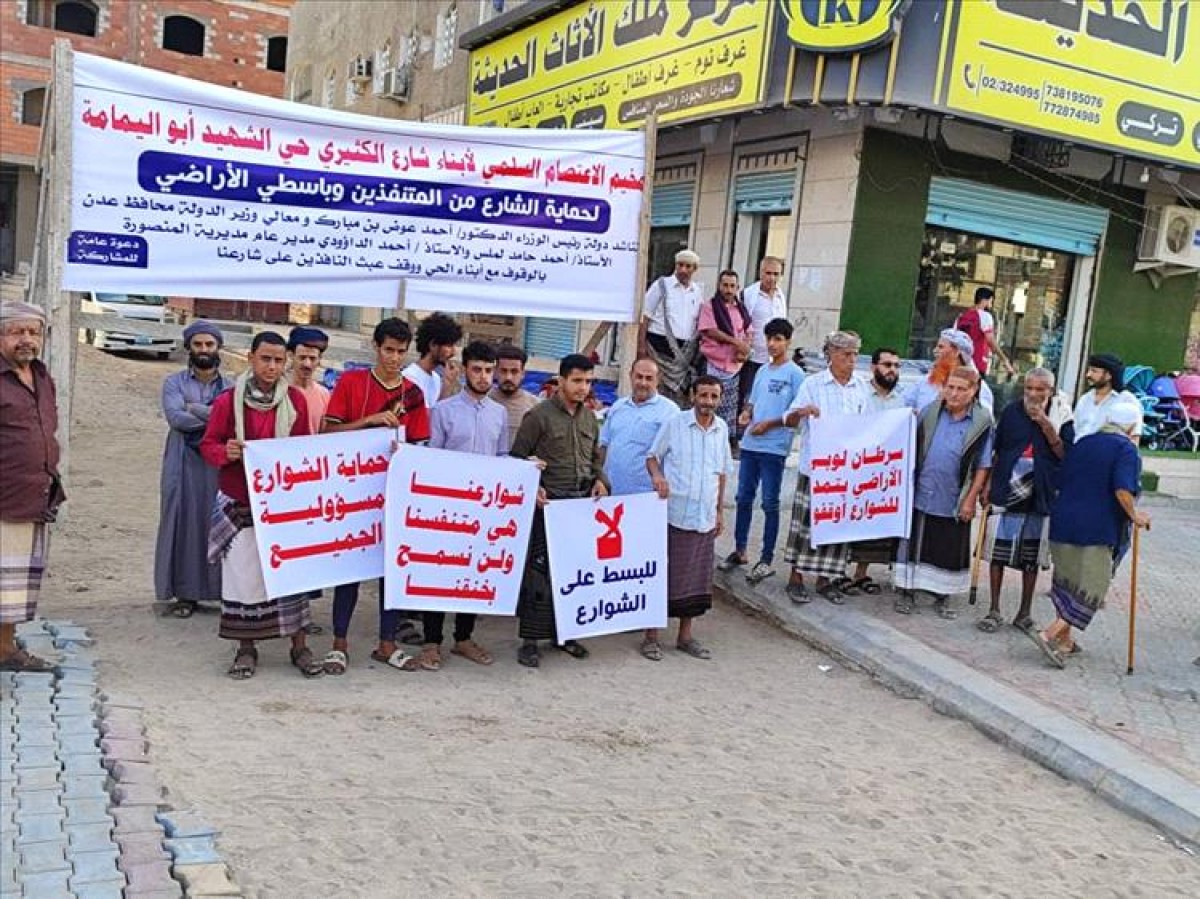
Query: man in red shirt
{"points": [[260, 406], [379, 397], [979, 324]]}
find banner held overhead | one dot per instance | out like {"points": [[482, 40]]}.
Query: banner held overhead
{"points": [[181, 187]]}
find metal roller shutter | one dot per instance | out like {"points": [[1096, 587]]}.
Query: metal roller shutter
{"points": [[759, 192], [671, 204], [551, 338]]}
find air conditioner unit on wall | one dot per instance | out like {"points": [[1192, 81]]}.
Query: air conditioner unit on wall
{"points": [[1169, 236], [360, 69], [396, 84]]}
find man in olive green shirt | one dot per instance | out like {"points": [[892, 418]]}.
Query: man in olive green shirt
{"points": [[564, 435]]}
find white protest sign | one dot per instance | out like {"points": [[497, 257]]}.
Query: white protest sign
{"points": [[608, 564], [861, 486], [317, 504], [186, 188], [456, 531]]}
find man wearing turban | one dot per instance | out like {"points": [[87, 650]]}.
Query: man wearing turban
{"points": [[1105, 376], [952, 350], [181, 568]]}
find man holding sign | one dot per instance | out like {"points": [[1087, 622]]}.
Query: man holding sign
{"points": [[687, 465], [468, 422], [564, 434], [260, 406]]}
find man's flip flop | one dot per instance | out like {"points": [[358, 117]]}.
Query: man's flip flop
{"points": [[399, 659], [730, 562], [306, 662], [335, 662], [695, 649], [574, 649], [183, 608], [469, 649], [1051, 654], [652, 650]]}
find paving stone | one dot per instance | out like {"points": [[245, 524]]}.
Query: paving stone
{"points": [[37, 735], [123, 750], [136, 819], [109, 890], [186, 823], [206, 880], [99, 866], [37, 858], [138, 794], [33, 626], [34, 715], [47, 885], [141, 848], [73, 706], [169, 893], [85, 786], [148, 876], [40, 828], [73, 725], [134, 773], [38, 802], [36, 757], [192, 850], [87, 811], [116, 704], [34, 779], [90, 837], [79, 744], [76, 691], [122, 729], [74, 661], [79, 678]]}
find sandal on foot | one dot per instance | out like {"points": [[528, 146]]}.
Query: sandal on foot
{"points": [[408, 634], [798, 593], [760, 572], [942, 607], [731, 561], [399, 659], [469, 649], [245, 663], [831, 593], [845, 586], [574, 649], [1051, 654], [304, 659], [529, 656], [183, 608], [430, 658], [1024, 625], [867, 585], [905, 603], [694, 648], [22, 661], [335, 662], [990, 623], [1068, 649], [652, 650]]}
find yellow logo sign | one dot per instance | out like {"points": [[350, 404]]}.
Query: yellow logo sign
{"points": [[841, 26]]}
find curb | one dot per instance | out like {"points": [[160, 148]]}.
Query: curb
{"points": [[1120, 774]]}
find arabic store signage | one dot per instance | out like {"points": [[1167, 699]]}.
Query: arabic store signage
{"points": [[609, 65], [1123, 75], [841, 26]]}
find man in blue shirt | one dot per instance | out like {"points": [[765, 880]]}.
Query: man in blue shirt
{"points": [[765, 447], [629, 430]]}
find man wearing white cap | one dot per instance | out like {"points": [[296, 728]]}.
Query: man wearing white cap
{"points": [[954, 348], [668, 332], [30, 488]]}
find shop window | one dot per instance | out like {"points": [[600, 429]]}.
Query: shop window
{"points": [[183, 34], [277, 53], [32, 102], [71, 16], [447, 34]]}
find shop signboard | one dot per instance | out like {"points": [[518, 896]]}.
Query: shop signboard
{"points": [[1120, 75], [609, 65], [822, 27]]}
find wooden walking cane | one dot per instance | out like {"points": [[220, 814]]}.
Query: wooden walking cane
{"points": [[1133, 598], [978, 556]]}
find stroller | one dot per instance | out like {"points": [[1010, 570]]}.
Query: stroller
{"points": [[1138, 379], [1173, 427]]}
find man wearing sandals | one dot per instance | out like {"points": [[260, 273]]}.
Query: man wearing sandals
{"points": [[1029, 443], [688, 465], [260, 406], [181, 568], [668, 331], [468, 422], [30, 489], [835, 391]]}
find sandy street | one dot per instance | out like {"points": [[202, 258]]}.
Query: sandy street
{"points": [[758, 773]]}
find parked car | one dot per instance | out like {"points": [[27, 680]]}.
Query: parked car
{"points": [[135, 307]]}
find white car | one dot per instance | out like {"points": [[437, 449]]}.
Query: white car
{"points": [[137, 307]]}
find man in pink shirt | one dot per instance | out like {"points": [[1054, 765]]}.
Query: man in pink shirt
{"points": [[305, 347], [724, 327]]}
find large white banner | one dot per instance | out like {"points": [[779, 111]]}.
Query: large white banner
{"points": [[182, 187], [318, 508], [608, 564], [456, 530], [862, 484]]}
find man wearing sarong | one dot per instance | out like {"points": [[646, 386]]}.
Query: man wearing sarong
{"points": [[1090, 526], [630, 428], [764, 450], [30, 487], [688, 465], [1105, 376], [885, 375], [952, 350], [378, 397], [564, 435], [508, 392], [1029, 442], [835, 391], [305, 347], [260, 406], [954, 455], [667, 332], [724, 326], [468, 422], [188, 484], [766, 301]]}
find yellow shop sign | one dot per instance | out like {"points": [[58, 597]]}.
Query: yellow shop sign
{"points": [[841, 26]]}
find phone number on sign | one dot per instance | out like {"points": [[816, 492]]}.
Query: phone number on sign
{"points": [[1004, 86]]}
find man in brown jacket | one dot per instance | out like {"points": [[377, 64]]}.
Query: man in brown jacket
{"points": [[30, 488]]}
